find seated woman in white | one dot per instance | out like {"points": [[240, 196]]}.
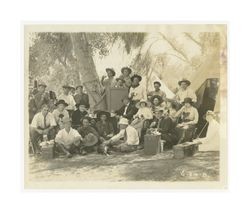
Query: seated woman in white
{"points": [[212, 140], [144, 113]]}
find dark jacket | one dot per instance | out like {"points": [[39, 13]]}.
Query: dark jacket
{"points": [[76, 118], [165, 125], [131, 111]]}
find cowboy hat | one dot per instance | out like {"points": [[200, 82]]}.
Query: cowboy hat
{"points": [[117, 79], [61, 102], [188, 100], [100, 113], [136, 76], [126, 68], [158, 97], [123, 121], [82, 103], [111, 70], [157, 82], [79, 86], [138, 105], [184, 80], [66, 86], [90, 140]]}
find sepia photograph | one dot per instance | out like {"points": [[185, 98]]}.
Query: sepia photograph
{"points": [[125, 106]]}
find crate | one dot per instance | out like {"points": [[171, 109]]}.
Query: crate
{"points": [[152, 144], [47, 151], [186, 149]]}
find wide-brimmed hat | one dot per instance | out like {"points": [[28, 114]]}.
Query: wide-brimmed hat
{"points": [[111, 70], [123, 121], [86, 117], [42, 84], [184, 80], [136, 76], [90, 140], [66, 86], [118, 79], [188, 100], [61, 102], [157, 82], [82, 103], [126, 68], [66, 120], [79, 86], [100, 113], [158, 97], [138, 105]]}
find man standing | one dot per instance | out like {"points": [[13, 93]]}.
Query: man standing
{"points": [[185, 92], [110, 81], [137, 92], [81, 96], [68, 99], [41, 97], [42, 127], [157, 91], [68, 139]]}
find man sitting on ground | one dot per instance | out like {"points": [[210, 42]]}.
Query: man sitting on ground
{"points": [[68, 139], [127, 140]]}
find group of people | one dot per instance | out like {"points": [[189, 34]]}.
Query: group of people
{"points": [[76, 129]]}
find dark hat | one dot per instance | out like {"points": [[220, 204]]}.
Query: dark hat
{"points": [[120, 79], [79, 86], [100, 113], [158, 97], [42, 84], [126, 68], [136, 76], [90, 140], [82, 103], [184, 80], [86, 117], [188, 100], [111, 69], [66, 86], [61, 102], [157, 82]]}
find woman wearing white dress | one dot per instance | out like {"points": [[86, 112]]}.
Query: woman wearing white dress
{"points": [[212, 140]]}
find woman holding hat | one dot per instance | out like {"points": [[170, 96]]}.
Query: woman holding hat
{"points": [[185, 92], [189, 117], [137, 91], [60, 112], [126, 72], [104, 126], [143, 115], [110, 81]]}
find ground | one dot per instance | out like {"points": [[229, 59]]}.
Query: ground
{"points": [[203, 166]]}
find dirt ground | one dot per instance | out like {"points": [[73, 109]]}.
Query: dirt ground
{"points": [[203, 166]]}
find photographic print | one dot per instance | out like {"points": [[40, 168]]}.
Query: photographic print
{"points": [[139, 106]]}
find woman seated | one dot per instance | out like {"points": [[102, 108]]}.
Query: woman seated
{"points": [[142, 117], [170, 109], [82, 111], [104, 126], [188, 118], [157, 103]]}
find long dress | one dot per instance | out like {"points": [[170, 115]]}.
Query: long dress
{"points": [[212, 140]]}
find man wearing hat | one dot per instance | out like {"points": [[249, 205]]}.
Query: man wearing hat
{"points": [[68, 139], [82, 111], [43, 124], [41, 97], [104, 126], [128, 109], [68, 99], [126, 72], [126, 140], [90, 137], [185, 92], [137, 91], [157, 91], [120, 83], [110, 81], [80, 96], [60, 112], [189, 117]]}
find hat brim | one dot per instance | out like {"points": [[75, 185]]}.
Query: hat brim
{"points": [[65, 104], [65, 86], [126, 68], [100, 113], [136, 76], [186, 81], [158, 97], [107, 70], [42, 85], [138, 105], [90, 140]]}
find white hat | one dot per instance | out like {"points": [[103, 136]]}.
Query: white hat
{"points": [[123, 121]]}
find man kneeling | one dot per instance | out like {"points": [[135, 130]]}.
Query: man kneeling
{"points": [[126, 140], [68, 139]]}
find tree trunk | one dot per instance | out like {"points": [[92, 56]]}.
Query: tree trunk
{"points": [[87, 70]]}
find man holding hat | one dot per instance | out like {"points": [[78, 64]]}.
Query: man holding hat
{"points": [[68, 139], [60, 112], [137, 91], [110, 81], [81, 96], [68, 99], [126, 140], [157, 91], [41, 97], [126, 72], [185, 92]]}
